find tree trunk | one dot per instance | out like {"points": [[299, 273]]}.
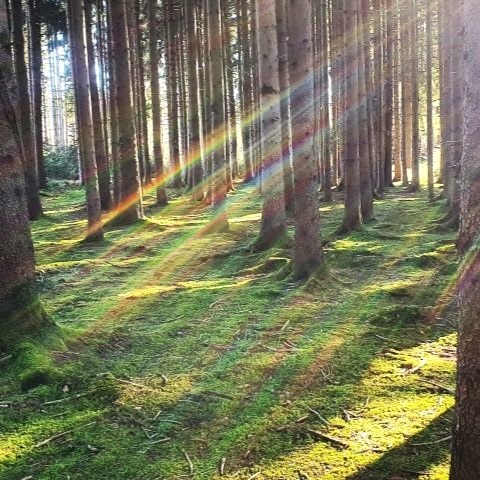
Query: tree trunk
{"points": [[20, 310], [274, 219], [85, 118], [308, 252], [285, 106], [429, 89], [25, 114], [160, 179], [36, 80], [130, 190], [352, 219], [195, 158], [100, 151], [219, 222]]}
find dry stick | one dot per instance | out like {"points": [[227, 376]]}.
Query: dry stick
{"points": [[5, 359], [188, 459], [155, 418], [60, 435], [328, 438], [445, 439], [67, 399], [326, 422], [222, 466], [161, 440], [285, 325], [438, 385], [255, 475]]}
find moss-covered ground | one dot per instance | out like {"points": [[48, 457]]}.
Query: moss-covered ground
{"points": [[187, 356]]}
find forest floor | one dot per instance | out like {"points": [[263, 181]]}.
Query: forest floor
{"points": [[186, 356]]}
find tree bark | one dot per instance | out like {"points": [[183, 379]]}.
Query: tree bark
{"points": [[160, 180], [20, 310], [274, 219], [308, 252], [130, 189], [85, 118], [25, 114]]}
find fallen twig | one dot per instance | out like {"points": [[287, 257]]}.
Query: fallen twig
{"points": [[285, 325], [328, 438], [67, 399], [60, 435], [5, 359], [222, 466], [439, 385], [255, 475], [444, 439], [160, 440], [189, 460], [326, 422]]}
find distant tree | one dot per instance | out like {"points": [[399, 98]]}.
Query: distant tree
{"points": [[20, 309], [161, 192], [25, 113], [218, 176], [130, 189], [101, 158], [35, 16]]}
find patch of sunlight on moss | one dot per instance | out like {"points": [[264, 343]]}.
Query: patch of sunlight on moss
{"points": [[400, 286], [253, 217], [352, 245], [12, 446]]}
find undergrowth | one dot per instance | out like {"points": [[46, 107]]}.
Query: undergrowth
{"points": [[189, 356]]}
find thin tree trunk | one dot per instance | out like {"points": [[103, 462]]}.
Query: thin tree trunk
{"points": [[25, 114], [85, 117]]}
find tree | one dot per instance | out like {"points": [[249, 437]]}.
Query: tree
{"points": [[85, 119], [466, 434], [101, 159], [352, 218], [130, 189], [218, 178], [156, 112], [25, 114], [20, 309], [308, 252], [36, 80], [274, 218]]}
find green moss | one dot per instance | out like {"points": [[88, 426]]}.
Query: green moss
{"points": [[172, 334]]}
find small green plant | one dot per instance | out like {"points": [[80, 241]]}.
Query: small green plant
{"points": [[62, 163]]}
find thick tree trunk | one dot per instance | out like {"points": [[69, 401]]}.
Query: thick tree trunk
{"points": [[20, 309], [308, 252], [466, 434]]}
